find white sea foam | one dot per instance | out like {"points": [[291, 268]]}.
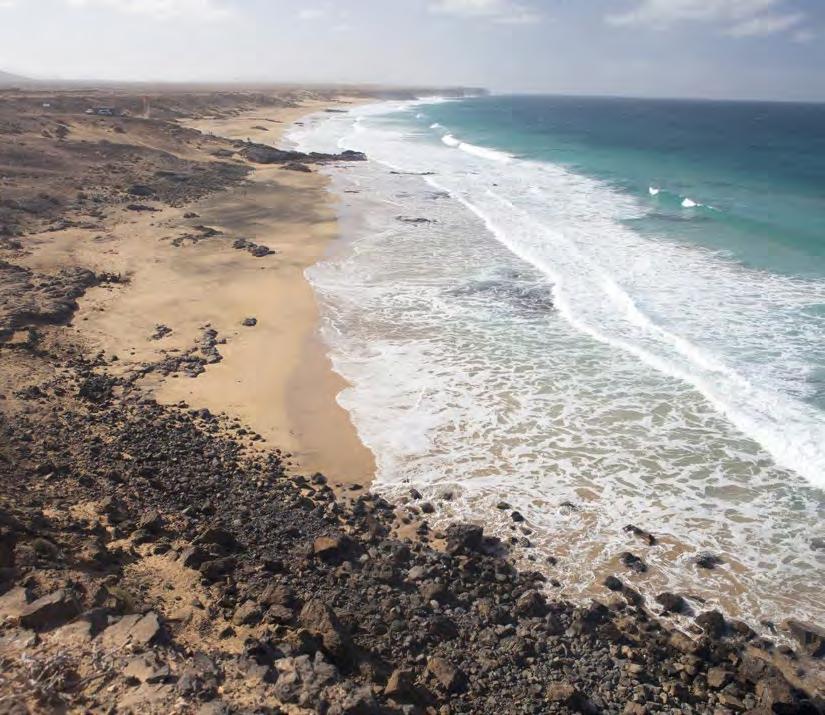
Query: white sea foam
{"points": [[653, 190], [689, 203], [481, 152], [650, 393]]}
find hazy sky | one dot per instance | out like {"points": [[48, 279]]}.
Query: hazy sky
{"points": [[712, 48]]}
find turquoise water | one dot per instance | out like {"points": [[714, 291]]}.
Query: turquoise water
{"points": [[758, 169], [611, 303]]}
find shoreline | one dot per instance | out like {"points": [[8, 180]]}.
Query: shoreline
{"points": [[160, 555], [572, 524]]}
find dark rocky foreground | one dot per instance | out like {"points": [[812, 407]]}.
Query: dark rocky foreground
{"points": [[152, 561]]}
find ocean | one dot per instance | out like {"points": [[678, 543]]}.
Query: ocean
{"points": [[598, 312]]}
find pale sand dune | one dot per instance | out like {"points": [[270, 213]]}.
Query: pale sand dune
{"points": [[275, 376]]}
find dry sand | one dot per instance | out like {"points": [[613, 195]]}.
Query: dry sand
{"points": [[275, 377]]}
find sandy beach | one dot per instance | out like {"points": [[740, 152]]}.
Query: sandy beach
{"points": [[275, 376]]}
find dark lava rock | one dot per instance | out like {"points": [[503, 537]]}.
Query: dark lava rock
{"points": [[297, 166], [712, 623], [50, 611], [452, 679], [671, 602], [641, 533], [247, 614], [613, 583], [517, 517], [215, 569], [262, 154], [811, 637], [707, 560], [774, 695], [531, 604], [565, 693], [261, 251], [330, 546], [97, 388], [464, 538], [302, 679], [250, 322], [349, 699], [140, 190], [633, 562], [401, 686], [320, 620], [218, 536]]}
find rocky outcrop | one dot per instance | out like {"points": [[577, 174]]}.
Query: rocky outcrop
{"points": [[262, 154]]}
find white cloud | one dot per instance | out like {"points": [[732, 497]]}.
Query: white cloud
{"points": [[804, 36], [312, 13], [207, 10], [740, 18], [500, 11], [7, 3], [763, 25]]}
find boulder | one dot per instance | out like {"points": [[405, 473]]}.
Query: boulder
{"points": [[330, 546], [347, 699], [433, 591], [13, 603], [718, 678], [276, 594], [451, 678], [192, 557], [613, 583], [707, 560], [50, 611], [136, 630], [217, 568], [565, 693], [302, 679], [297, 166], [464, 538], [401, 686], [712, 623], [321, 621], [532, 605], [218, 536], [8, 541], [811, 637], [247, 614], [146, 669], [775, 695], [671, 602], [633, 562]]}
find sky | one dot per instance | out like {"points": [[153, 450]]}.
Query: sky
{"points": [[736, 49]]}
